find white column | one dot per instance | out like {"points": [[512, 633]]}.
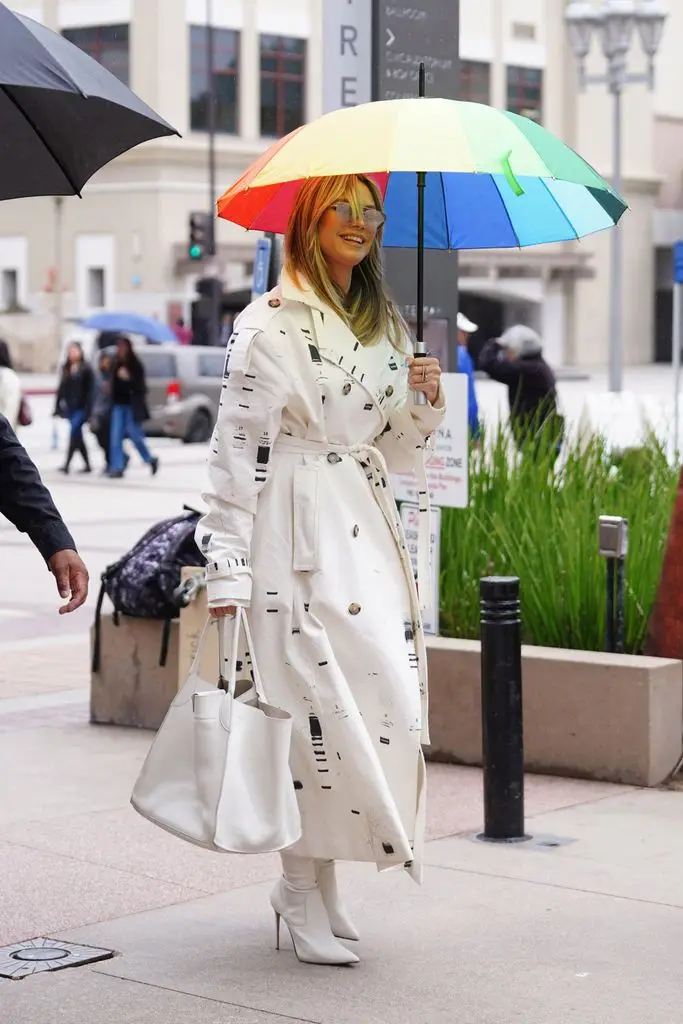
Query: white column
{"points": [[250, 79], [553, 323], [498, 70]]}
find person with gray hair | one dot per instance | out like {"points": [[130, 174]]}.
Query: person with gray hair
{"points": [[516, 360]]}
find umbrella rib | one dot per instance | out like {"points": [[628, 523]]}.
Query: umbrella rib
{"points": [[507, 212], [42, 138]]}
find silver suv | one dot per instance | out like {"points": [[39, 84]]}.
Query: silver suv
{"points": [[184, 388]]}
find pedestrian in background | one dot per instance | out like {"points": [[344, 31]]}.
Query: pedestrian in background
{"points": [[129, 409], [73, 402], [182, 333], [466, 365], [10, 387], [516, 360], [100, 414]]}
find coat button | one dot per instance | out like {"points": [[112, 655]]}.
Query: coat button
{"points": [[354, 609], [274, 303], [356, 531], [389, 391], [333, 458], [346, 390]]}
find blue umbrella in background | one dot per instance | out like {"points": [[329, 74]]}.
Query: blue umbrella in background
{"points": [[130, 323]]}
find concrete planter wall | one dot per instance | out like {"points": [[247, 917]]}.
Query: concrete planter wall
{"points": [[598, 716], [614, 717]]}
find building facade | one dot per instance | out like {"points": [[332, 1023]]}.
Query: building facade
{"points": [[124, 243]]}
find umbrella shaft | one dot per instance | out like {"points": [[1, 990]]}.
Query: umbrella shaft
{"points": [[420, 260]]}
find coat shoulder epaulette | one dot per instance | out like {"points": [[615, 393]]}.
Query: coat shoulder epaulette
{"points": [[254, 319]]}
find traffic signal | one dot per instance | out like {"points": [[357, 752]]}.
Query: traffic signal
{"points": [[200, 235]]}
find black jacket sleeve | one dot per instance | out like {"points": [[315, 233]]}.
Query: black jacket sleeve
{"points": [[493, 360], [25, 499]]}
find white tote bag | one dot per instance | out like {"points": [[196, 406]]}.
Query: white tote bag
{"points": [[218, 773]]}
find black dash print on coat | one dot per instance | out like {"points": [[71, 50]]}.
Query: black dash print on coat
{"points": [[385, 740], [262, 459], [393, 365], [326, 787], [248, 389], [356, 346], [271, 593], [250, 376], [369, 407], [282, 332], [240, 406], [298, 785], [387, 847], [239, 665], [272, 611], [354, 812], [318, 743], [409, 632], [296, 631], [315, 354], [321, 663], [306, 607]]}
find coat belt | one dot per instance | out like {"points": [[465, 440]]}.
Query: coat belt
{"points": [[371, 459]]}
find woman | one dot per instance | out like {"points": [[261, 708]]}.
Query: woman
{"points": [[302, 527], [516, 359], [74, 398], [10, 387], [129, 409]]}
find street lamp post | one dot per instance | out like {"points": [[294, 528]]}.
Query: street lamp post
{"points": [[615, 22]]}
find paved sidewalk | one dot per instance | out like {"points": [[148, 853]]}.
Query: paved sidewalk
{"points": [[587, 932]]}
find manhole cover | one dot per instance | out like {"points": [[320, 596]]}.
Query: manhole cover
{"points": [[35, 955]]}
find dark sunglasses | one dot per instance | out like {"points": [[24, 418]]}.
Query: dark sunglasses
{"points": [[372, 218]]}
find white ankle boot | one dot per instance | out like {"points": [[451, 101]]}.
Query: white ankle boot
{"points": [[340, 922], [297, 899]]}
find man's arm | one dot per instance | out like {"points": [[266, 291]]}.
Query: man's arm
{"points": [[26, 501], [494, 361]]}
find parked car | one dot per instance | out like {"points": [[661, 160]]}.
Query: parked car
{"points": [[184, 389]]}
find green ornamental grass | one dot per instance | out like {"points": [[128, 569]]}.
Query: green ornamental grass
{"points": [[532, 519]]}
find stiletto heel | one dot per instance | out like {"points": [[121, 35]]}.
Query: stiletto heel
{"points": [[303, 911]]}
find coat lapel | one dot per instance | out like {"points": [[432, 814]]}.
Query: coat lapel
{"points": [[335, 343]]}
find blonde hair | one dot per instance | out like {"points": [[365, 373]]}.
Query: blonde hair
{"points": [[367, 309]]}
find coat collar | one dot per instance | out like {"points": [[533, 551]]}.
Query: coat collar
{"points": [[301, 291]]}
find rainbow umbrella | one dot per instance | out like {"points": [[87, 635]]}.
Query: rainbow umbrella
{"points": [[486, 178], [494, 179]]}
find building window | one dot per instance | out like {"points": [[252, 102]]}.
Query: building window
{"points": [[10, 289], [108, 44], [225, 69], [96, 289], [475, 81], [525, 92], [283, 79]]}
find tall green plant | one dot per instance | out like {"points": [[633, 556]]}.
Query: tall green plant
{"points": [[529, 519]]}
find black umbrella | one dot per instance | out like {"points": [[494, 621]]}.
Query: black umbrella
{"points": [[62, 115]]}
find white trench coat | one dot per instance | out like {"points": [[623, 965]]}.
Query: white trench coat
{"points": [[302, 526]]}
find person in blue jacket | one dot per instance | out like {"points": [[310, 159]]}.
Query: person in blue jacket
{"points": [[466, 365]]}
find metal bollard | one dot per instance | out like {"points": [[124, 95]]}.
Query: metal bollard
{"points": [[501, 706]]}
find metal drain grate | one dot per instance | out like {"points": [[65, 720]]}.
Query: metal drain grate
{"points": [[37, 955]]}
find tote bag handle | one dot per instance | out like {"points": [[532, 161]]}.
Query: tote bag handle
{"points": [[239, 621]]}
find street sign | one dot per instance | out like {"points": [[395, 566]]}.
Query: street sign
{"points": [[678, 263], [410, 517], [448, 463], [347, 53], [264, 248], [405, 35]]}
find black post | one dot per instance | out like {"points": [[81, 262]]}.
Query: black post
{"points": [[501, 705], [610, 639], [210, 59], [421, 184], [620, 629]]}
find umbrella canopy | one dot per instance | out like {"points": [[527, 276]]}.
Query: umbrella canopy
{"points": [[494, 179], [130, 323], [62, 115]]}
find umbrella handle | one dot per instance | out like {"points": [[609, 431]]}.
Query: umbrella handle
{"points": [[419, 397]]}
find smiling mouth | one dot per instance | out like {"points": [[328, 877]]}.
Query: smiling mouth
{"points": [[353, 239]]}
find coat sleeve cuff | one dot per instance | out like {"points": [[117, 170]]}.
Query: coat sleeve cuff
{"points": [[222, 592], [427, 418]]}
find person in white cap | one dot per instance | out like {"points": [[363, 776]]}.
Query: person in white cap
{"points": [[466, 365]]}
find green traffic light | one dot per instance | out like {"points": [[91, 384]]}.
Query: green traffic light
{"points": [[195, 252]]}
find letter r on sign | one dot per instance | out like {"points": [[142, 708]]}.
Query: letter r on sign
{"points": [[349, 34]]}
